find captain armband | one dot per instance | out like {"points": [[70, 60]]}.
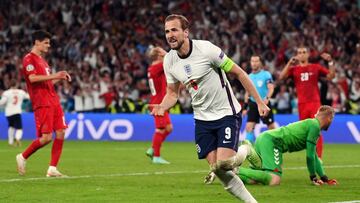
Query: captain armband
{"points": [[227, 64]]}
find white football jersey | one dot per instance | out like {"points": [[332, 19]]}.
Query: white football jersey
{"points": [[200, 72], [13, 98]]}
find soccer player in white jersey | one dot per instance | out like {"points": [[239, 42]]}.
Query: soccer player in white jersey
{"points": [[201, 67], [13, 99]]}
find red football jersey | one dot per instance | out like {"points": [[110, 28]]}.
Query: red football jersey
{"points": [[157, 83], [41, 93], [306, 81]]}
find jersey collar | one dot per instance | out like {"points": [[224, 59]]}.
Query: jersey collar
{"points": [[190, 50]]}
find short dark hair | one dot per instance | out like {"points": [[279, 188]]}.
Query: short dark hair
{"points": [[257, 55], [183, 20], [40, 35]]}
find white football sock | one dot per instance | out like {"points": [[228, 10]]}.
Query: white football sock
{"points": [[11, 131], [18, 134], [233, 184]]}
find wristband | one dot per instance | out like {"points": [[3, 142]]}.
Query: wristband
{"points": [[331, 63]]}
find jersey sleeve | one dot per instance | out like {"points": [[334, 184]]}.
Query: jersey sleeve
{"points": [[28, 66], [218, 58], [310, 157], [268, 77], [311, 141], [322, 70], [4, 98], [167, 65]]}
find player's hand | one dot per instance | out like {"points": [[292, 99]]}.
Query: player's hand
{"points": [[63, 75], [263, 109], [332, 182], [328, 181], [157, 110], [327, 57], [293, 60]]}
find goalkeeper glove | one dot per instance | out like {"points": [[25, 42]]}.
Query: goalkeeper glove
{"points": [[328, 181]]}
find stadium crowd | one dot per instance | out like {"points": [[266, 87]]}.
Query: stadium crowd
{"points": [[103, 45]]}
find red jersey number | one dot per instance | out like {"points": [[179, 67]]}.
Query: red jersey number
{"points": [[304, 76]]}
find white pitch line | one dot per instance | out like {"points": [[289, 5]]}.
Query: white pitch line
{"points": [[351, 201], [104, 175], [149, 173]]}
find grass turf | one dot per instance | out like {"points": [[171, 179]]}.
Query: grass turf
{"points": [[120, 172]]}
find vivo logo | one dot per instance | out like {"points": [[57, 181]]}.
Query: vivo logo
{"points": [[79, 125]]}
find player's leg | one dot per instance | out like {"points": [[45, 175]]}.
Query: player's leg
{"points": [[163, 129], [252, 119], [11, 130], [250, 131], [270, 172], [59, 128], [19, 131], [256, 176], [227, 159], [43, 121]]}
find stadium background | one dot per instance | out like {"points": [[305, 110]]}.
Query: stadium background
{"points": [[103, 43]]}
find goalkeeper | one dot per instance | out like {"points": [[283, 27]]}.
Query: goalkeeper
{"points": [[266, 159]]}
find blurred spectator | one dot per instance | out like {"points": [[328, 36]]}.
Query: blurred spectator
{"points": [[108, 37], [283, 104]]}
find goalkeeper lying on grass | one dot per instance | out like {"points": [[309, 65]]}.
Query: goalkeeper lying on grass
{"points": [[266, 158]]}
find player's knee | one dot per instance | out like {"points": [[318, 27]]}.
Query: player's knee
{"points": [[46, 138], [60, 134], [169, 128], [228, 164]]}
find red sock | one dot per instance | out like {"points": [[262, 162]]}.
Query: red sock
{"points": [[56, 151], [156, 143], [33, 147], [158, 139], [319, 146]]}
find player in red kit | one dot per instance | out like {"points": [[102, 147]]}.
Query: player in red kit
{"points": [[49, 116], [157, 83], [306, 76]]}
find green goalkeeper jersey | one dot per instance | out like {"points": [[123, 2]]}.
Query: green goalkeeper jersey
{"points": [[294, 136], [299, 136]]}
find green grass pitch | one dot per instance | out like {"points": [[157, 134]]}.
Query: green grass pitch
{"points": [[120, 172]]}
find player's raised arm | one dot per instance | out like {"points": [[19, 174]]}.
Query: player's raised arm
{"points": [[170, 99], [243, 77], [327, 57], [285, 72], [3, 99]]}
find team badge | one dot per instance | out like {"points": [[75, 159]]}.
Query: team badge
{"points": [[188, 70], [259, 83], [30, 67]]}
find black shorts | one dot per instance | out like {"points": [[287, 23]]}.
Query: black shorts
{"points": [[254, 116], [210, 135], [15, 121]]}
